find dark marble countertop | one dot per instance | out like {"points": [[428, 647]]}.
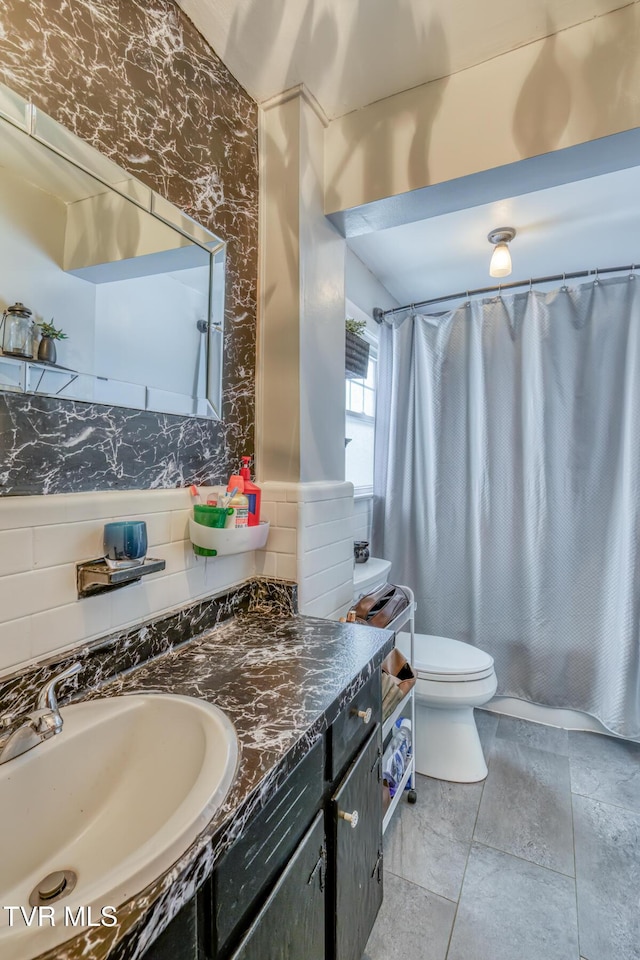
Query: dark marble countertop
{"points": [[282, 680]]}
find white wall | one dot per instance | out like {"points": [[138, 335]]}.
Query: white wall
{"points": [[301, 310], [362, 518], [32, 226], [364, 291], [43, 537], [160, 346]]}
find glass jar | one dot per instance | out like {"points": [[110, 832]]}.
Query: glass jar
{"points": [[17, 334]]}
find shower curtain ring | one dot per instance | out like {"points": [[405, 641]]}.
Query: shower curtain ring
{"points": [[564, 281], [597, 280], [632, 275], [530, 284]]}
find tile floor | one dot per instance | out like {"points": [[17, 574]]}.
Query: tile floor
{"points": [[539, 862]]}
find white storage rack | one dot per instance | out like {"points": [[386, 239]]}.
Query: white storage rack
{"points": [[407, 616]]}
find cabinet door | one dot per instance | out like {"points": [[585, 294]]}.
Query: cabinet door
{"points": [[357, 826], [250, 868], [179, 941], [291, 924]]}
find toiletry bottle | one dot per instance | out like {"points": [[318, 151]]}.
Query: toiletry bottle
{"points": [[252, 491], [240, 503]]}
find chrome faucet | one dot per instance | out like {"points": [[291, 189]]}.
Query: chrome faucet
{"points": [[21, 733]]}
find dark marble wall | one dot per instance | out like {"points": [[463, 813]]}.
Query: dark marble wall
{"points": [[136, 79]]}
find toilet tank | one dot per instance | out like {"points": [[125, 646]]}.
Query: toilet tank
{"points": [[367, 576]]}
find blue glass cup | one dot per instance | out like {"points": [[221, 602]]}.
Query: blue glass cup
{"points": [[125, 543]]}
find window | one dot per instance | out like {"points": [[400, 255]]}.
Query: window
{"points": [[360, 422]]}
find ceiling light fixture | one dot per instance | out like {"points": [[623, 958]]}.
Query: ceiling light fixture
{"points": [[500, 265]]}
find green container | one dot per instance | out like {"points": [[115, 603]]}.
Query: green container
{"points": [[209, 517]]}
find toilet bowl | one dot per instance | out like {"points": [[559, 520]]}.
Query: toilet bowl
{"points": [[452, 678]]}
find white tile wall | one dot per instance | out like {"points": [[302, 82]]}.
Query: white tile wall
{"points": [[42, 539], [362, 518], [311, 541], [313, 526]]}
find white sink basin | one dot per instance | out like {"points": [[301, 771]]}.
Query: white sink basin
{"points": [[116, 798]]}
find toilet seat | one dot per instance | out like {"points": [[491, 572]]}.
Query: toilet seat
{"points": [[445, 660]]}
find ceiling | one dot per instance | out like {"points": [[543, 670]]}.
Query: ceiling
{"points": [[576, 226], [350, 53]]}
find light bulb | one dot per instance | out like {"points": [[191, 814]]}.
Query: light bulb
{"points": [[500, 261]]}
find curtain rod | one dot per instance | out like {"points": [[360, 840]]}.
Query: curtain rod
{"points": [[379, 314]]}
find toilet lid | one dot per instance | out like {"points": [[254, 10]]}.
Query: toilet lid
{"points": [[445, 657]]}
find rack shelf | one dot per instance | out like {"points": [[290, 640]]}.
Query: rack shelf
{"points": [[397, 797], [396, 712], [406, 616]]}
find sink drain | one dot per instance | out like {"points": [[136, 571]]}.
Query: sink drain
{"points": [[53, 887]]}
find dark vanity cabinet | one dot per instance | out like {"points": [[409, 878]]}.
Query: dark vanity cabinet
{"points": [[303, 881], [250, 868], [291, 924], [356, 844]]}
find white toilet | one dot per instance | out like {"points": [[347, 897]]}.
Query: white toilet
{"points": [[453, 678]]}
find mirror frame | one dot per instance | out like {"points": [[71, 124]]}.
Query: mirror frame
{"points": [[39, 126]]}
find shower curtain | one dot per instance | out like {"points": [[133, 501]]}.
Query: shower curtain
{"points": [[507, 488]]}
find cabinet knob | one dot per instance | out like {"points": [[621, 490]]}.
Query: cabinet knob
{"points": [[351, 818], [365, 715]]}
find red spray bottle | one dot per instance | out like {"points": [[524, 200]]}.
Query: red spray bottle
{"points": [[252, 492]]}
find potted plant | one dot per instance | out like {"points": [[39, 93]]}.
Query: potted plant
{"points": [[47, 347], [356, 350]]}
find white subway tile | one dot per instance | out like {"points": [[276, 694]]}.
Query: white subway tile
{"points": [[15, 643], [178, 556], [224, 572], [282, 540], [130, 604], [70, 624], [338, 599], [279, 492], [122, 504], [180, 524], [286, 567], [314, 561], [323, 511], [16, 551], [326, 490], [26, 593], [322, 534], [67, 543], [319, 583], [269, 510], [266, 563], [31, 511], [176, 589], [287, 515]]}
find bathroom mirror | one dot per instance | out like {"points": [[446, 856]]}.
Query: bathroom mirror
{"points": [[136, 286]]}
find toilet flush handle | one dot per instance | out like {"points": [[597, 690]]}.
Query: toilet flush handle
{"points": [[365, 715]]}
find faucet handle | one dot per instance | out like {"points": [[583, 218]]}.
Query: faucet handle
{"points": [[47, 699]]}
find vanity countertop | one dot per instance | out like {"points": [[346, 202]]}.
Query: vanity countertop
{"points": [[282, 680]]}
